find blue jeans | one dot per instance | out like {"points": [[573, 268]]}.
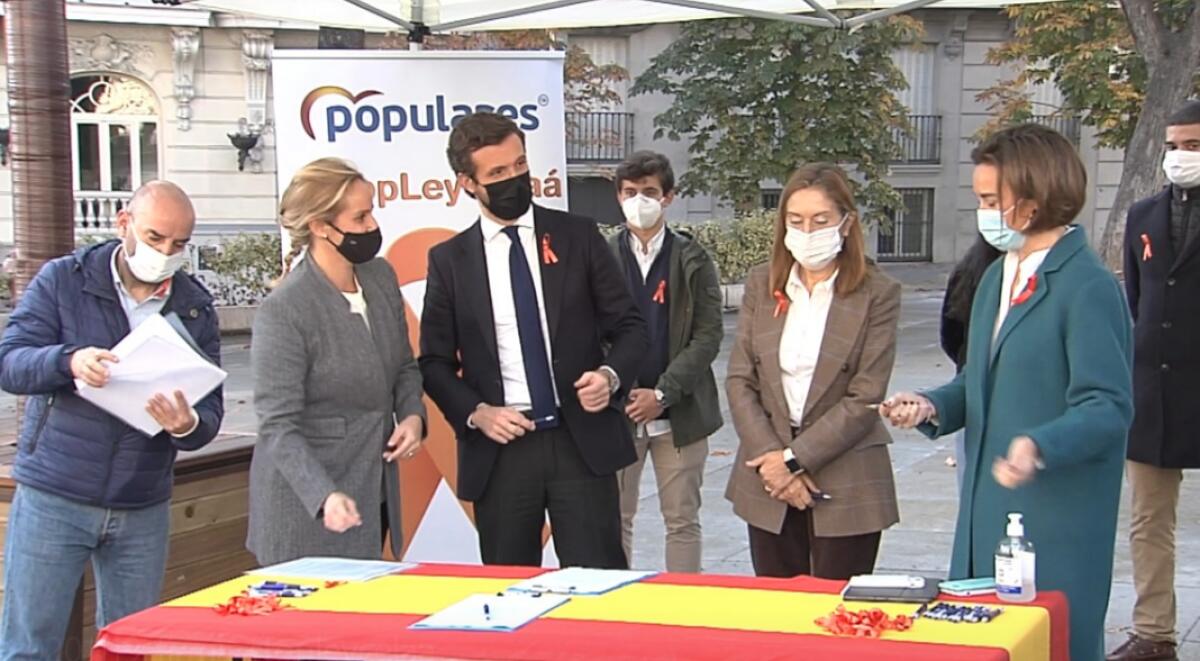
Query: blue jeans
{"points": [[49, 540]]}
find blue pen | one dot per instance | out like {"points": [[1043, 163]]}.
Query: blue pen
{"points": [[821, 495], [538, 421], [487, 613], [274, 585]]}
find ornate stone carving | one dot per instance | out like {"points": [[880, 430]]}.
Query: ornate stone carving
{"points": [[185, 44], [956, 35], [104, 53], [256, 58]]}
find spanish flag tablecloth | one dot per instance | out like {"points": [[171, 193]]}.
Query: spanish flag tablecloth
{"points": [[669, 616]]}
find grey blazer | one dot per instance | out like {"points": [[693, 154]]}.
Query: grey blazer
{"points": [[327, 392]]}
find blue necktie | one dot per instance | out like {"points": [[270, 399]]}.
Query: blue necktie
{"points": [[533, 341]]}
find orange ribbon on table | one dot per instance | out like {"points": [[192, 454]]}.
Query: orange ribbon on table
{"points": [[781, 303], [548, 256], [660, 295], [1147, 253], [1030, 287]]}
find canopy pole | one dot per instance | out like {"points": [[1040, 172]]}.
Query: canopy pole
{"points": [[752, 13], [500, 15], [828, 15], [372, 9], [862, 19]]}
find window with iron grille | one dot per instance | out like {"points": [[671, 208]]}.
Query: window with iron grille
{"points": [[909, 238], [770, 198]]}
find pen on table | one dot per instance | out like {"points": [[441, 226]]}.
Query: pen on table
{"points": [[487, 612], [273, 585]]}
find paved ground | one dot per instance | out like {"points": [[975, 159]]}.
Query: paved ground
{"points": [[926, 485]]}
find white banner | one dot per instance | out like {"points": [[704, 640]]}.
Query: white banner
{"points": [[390, 113]]}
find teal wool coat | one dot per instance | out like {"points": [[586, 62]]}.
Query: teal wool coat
{"points": [[1059, 372]]}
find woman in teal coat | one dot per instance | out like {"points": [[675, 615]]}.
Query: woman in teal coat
{"points": [[1046, 395]]}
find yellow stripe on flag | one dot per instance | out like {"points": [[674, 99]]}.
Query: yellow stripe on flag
{"points": [[1022, 630]]}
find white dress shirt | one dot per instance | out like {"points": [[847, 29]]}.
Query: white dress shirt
{"points": [[800, 344], [496, 246], [645, 256], [358, 303], [1017, 273]]}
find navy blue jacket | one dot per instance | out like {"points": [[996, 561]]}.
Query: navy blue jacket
{"points": [[67, 446]]}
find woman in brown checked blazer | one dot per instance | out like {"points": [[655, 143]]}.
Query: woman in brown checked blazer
{"points": [[815, 345]]}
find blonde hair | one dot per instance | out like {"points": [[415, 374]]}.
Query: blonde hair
{"points": [[314, 194]]}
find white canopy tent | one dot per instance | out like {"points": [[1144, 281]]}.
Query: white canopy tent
{"points": [[459, 15]]}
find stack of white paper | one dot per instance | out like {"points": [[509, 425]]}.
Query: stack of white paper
{"points": [[333, 569], [154, 360], [577, 580], [492, 612]]}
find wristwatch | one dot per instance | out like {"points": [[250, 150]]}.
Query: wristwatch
{"points": [[789, 460], [614, 379], [659, 396]]}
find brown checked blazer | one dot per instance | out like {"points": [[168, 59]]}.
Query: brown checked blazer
{"points": [[841, 442]]}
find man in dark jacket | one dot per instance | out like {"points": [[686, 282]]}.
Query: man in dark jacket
{"points": [[90, 486], [673, 405], [1162, 281]]}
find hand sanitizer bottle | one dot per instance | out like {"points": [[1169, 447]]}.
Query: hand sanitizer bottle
{"points": [[1015, 564]]}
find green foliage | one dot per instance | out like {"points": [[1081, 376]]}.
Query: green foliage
{"points": [[1086, 48], [245, 266], [758, 98]]}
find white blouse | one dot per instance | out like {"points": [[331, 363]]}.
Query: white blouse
{"points": [[800, 344]]}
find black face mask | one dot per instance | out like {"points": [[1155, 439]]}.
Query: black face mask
{"points": [[510, 199], [359, 247]]}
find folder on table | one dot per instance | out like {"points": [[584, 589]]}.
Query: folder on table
{"points": [[507, 611]]}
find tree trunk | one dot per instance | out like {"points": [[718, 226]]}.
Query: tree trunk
{"points": [[1168, 88], [40, 114]]}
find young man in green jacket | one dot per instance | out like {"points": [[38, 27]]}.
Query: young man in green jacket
{"points": [[673, 406]]}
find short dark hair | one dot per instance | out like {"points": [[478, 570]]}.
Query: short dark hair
{"points": [[474, 132], [1037, 163], [647, 164], [1189, 113]]}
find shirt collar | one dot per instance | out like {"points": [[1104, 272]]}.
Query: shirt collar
{"points": [[652, 248], [161, 293], [795, 285], [491, 229]]}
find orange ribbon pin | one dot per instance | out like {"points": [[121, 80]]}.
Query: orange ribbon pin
{"points": [[1147, 253], [548, 256], [781, 303], [660, 295]]}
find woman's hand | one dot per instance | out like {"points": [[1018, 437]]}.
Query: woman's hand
{"points": [[773, 471], [406, 439], [906, 410], [1021, 464], [800, 492], [341, 514]]}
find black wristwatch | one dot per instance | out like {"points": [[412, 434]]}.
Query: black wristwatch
{"points": [[789, 460]]}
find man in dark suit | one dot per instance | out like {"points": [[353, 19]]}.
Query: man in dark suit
{"points": [[529, 342], [1162, 281]]}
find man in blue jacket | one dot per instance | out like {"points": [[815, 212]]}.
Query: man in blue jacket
{"points": [[88, 485]]}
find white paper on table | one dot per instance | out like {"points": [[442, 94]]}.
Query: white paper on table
{"points": [[154, 359], [508, 611], [577, 580], [333, 569]]}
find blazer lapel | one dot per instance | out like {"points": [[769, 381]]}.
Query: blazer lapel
{"points": [[550, 247], [473, 263], [382, 328], [847, 317], [769, 327]]}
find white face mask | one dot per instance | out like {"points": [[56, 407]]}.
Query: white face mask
{"points": [[814, 250], [642, 212], [150, 265], [1182, 168]]}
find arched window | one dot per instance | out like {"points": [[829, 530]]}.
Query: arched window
{"points": [[114, 144]]}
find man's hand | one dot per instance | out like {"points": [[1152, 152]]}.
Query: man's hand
{"points": [[174, 416], [643, 406], [1020, 466], [501, 423], [405, 440], [907, 410], [773, 471], [341, 514], [88, 365], [594, 391]]}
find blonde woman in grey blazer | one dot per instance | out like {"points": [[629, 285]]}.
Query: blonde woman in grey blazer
{"points": [[336, 387]]}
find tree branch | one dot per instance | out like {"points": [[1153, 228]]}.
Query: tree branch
{"points": [[1149, 32]]}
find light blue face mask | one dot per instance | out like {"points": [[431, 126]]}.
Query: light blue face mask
{"points": [[997, 232]]}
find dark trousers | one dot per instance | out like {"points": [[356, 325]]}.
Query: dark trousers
{"points": [[539, 472], [796, 551]]}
